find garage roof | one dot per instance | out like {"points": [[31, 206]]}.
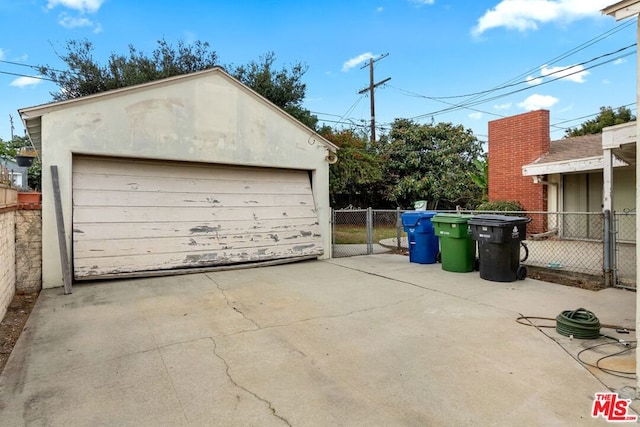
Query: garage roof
{"points": [[32, 116]]}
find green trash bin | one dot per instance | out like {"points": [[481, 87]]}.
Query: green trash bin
{"points": [[457, 248]]}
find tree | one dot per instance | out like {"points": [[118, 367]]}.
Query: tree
{"points": [[357, 177], [480, 176], [282, 87], [85, 75], [8, 152], [430, 162], [607, 117]]}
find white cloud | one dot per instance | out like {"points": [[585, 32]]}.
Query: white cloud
{"points": [[505, 106], [523, 15], [574, 73], [533, 80], [536, 102], [2, 55], [421, 2], [606, 82], [619, 61], [379, 9], [354, 62], [82, 6], [26, 81], [71, 22], [476, 115]]}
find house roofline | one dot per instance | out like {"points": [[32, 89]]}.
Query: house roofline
{"points": [[594, 163], [622, 9], [31, 116]]}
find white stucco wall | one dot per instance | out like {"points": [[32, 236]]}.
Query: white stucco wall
{"points": [[199, 118]]}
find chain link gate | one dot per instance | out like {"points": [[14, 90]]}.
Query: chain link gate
{"points": [[365, 231], [624, 249]]}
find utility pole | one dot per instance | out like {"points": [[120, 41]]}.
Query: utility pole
{"points": [[12, 127], [371, 89]]}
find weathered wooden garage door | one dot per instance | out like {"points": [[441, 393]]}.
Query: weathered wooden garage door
{"points": [[142, 216]]}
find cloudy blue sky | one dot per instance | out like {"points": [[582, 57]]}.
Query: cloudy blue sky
{"points": [[465, 62]]}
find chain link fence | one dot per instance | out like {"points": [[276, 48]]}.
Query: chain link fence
{"points": [[567, 241], [625, 248], [559, 242]]}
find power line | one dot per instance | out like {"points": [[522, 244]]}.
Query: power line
{"points": [[477, 99], [569, 53], [25, 75], [464, 105], [435, 98], [35, 67], [470, 103], [444, 102], [587, 116]]}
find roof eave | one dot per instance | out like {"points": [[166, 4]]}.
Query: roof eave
{"points": [[622, 9], [595, 163]]}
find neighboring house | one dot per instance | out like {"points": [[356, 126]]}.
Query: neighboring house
{"points": [[566, 175], [17, 175], [193, 171]]}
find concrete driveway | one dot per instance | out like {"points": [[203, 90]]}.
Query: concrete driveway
{"points": [[361, 341]]}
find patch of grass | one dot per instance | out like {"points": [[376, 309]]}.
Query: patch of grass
{"points": [[354, 234]]}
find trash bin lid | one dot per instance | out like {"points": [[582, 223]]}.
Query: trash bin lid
{"points": [[451, 218], [498, 220], [412, 218]]}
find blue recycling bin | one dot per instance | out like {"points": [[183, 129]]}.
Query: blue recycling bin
{"points": [[423, 241]]}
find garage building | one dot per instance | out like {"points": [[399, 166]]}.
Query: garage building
{"points": [[190, 172]]}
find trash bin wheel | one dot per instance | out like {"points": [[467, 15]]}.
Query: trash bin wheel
{"points": [[522, 272], [439, 257]]}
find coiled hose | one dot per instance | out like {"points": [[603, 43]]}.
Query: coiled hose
{"points": [[579, 323]]}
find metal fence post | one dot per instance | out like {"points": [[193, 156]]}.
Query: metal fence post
{"points": [[612, 248], [333, 229], [398, 228], [607, 248], [369, 231]]}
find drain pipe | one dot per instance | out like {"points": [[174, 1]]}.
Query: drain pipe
{"points": [[607, 248]]}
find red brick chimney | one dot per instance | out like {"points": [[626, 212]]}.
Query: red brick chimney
{"points": [[513, 142]]}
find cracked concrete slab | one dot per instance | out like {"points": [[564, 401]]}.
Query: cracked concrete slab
{"points": [[369, 340]]}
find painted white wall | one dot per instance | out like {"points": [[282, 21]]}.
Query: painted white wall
{"points": [[206, 118]]}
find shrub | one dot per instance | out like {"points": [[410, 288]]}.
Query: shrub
{"points": [[501, 205]]}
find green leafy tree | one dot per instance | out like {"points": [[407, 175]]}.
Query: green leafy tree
{"points": [[607, 117], [85, 75], [480, 176], [9, 149], [430, 162], [357, 177], [283, 87], [8, 152]]}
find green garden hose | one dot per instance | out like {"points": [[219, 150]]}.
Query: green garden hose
{"points": [[579, 323]]}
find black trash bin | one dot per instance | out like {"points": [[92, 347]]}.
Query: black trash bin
{"points": [[499, 238]]}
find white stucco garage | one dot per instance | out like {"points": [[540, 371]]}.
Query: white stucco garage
{"points": [[191, 171]]}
